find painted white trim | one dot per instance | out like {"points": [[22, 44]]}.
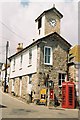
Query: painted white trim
{"points": [[50, 56]]}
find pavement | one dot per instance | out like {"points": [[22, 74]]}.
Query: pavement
{"points": [[11, 107]]}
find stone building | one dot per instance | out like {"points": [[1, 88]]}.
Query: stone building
{"points": [[74, 66], [44, 58]]}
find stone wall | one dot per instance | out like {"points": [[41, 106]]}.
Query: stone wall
{"points": [[48, 28], [10, 85], [17, 87], [24, 93], [59, 65], [24, 87]]}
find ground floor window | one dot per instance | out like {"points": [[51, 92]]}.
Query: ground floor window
{"points": [[61, 78], [13, 83]]}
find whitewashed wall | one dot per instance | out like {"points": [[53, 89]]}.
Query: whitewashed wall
{"points": [[3, 73], [26, 68]]}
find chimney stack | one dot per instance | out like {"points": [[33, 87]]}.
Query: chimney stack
{"points": [[33, 40], [53, 5], [20, 47]]}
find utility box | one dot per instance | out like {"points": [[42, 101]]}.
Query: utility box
{"points": [[51, 94], [68, 95], [43, 96]]}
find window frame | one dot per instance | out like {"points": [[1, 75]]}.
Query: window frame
{"points": [[40, 23], [14, 61], [30, 56], [48, 56], [30, 79], [21, 60], [61, 79]]}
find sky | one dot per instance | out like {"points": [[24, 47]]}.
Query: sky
{"points": [[17, 21]]}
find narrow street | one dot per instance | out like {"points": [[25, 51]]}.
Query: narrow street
{"points": [[14, 108]]}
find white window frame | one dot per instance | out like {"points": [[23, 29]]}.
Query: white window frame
{"points": [[61, 79], [21, 60], [30, 56], [14, 61], [50, 55]]}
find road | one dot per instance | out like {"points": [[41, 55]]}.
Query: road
{"points": [[13, 108]]}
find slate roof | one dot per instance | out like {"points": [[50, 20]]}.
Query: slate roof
{"points": [[49, 10], [54, 35]]}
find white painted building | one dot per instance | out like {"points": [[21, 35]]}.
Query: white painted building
{"points": [[22, 64], [3, 73]]}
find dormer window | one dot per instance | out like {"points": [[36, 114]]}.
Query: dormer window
{"points": [[39, 23]]}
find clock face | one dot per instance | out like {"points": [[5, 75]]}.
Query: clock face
{"points": [[52, 22]]}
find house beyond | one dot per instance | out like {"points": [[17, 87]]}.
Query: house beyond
{"points": [[44, 59]]}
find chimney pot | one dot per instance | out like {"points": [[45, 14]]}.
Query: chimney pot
{"points": [[20, 47], [53, 5]]}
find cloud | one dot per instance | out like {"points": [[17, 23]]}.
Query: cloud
{"points": [[25, 2], [21, 19]]}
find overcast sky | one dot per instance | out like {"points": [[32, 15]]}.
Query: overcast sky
{"points": [[17, 21]]}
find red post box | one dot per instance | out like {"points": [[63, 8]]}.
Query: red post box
{"points": [[52, 94], [68, 95]]}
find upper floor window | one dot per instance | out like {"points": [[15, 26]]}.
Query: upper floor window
{"points": [[39, 23], [21, 59], [30, 56], [61, 79], [14, 64], [30, 78], [48, 55]]}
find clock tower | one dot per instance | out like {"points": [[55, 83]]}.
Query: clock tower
{"points": [[48, 22]]}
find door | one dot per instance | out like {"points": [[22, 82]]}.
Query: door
{"points": [[13, 82], [20, 85]]}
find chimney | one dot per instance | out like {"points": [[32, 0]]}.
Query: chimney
{"points": [[20, 47], [53, 5], [33, 40]]}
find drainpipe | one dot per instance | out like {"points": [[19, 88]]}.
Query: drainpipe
{"points": [[67, 65]]}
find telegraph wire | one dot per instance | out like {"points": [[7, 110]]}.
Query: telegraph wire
{"points": [[11, 30]]}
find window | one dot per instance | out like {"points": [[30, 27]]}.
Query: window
{"points": [[21, 59], [39, 23], [61, 79], [48, 55], [14, 64], [30, 78], [13, 84], [30, 56], [20, 77], [39, 31]]}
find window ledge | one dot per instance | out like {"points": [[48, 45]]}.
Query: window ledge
{"points": [[48, 64], [29, 65], [20, 68]]}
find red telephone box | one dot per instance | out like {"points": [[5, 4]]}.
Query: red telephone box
{"points": [[68, 95], [51, 94]]}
